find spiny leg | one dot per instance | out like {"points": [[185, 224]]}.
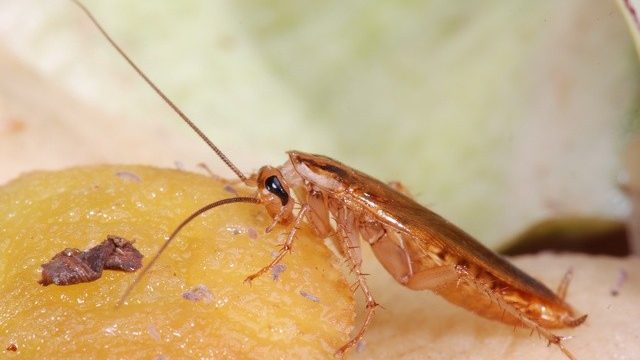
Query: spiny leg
{"points": [[510, 309], [362, 284], [399, 187], [286, 247]]}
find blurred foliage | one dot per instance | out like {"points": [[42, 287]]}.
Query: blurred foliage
{"points": [[495, 114]]}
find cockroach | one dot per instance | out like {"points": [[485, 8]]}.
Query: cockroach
{"points": [[419, 248]]}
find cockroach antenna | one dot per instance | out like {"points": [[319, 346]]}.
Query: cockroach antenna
{"points": [[185, 118], [202, 210], [407, 238], [164, 97]]}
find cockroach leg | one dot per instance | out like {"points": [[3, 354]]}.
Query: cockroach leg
{"points": [[286, 246], [433, 278], [362, 284], [399, 187], [526, 322], [388, 248], [278, 219], [564, 284], [418, 247]]}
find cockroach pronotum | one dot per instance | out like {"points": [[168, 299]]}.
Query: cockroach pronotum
{"points": [[419, 248]]}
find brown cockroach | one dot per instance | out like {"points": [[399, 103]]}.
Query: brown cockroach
{"points": [[419, 248]]}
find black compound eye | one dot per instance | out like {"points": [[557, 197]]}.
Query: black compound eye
{"points": [[273, 185]]}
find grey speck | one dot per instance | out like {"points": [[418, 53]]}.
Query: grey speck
{"points": [[309, 296], [128, 176], [153, 332], [198, 293], [276, 270], [622, 278], [230, 189]]}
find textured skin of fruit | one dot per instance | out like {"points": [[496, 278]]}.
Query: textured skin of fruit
{"points": [[306, 313]]}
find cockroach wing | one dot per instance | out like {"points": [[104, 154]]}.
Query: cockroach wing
{"points": [[415, 222], [420, 224]]}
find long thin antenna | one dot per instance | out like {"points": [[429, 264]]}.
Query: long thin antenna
{"points": [[175, 233], [184, 117]]}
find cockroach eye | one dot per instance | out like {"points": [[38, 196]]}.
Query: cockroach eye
{"points": [[273, 185]]}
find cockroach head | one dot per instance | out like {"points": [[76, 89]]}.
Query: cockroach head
{"points": [[275, 194]]}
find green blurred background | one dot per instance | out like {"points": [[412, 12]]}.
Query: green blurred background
{"points": [[496, 114]]}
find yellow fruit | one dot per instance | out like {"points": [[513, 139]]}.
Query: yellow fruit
{"points": [[307, 312]]}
